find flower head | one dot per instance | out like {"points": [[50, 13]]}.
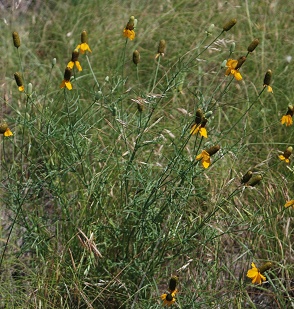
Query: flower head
{"points": [[233, 67], [168, 298], [205, 155], [199, 125], [129, 29], [267, 80], [287, 119], [74, 60], [4, 129], [287, 153], [83, 47], [19, 81], [173, 281], [246, 177], [66, 81], [290, 203], [256, 273]]}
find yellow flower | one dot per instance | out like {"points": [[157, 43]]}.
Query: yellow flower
{"points": [[285, 156], [5, 130], [83, 47], [199, 125], [205, 155], [287, 119], [255, 274], [290, 203], [198, 128], [234, 66], [74, 60], [129, 29], [66, 81], [168, 298]]}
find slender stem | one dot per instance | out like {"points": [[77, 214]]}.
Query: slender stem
{"points": [[90, 66]]}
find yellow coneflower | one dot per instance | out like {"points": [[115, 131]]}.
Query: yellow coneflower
{"points": [[74, 60], [19, 81], [83, 47], [233, 67], [287, 153], [66, 81], [4, 129], [129, 31], [256, 273], [287, 119], [205, 155]]}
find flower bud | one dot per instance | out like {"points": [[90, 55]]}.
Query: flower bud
{"points": [[232, 47], [252, 45], [212, 150], [173, 283], [230, 24], [246, 177], [16, 39], [136, 57], [254, 180], [53, 62], [266, 266], [140, 107], [210, 29], [223, 64], [30, 89], [208, 114]]}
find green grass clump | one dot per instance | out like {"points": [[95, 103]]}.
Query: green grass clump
{"points": [[108, 189]]}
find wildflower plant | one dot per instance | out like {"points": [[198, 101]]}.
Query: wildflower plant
{"points": [[162, 159]]}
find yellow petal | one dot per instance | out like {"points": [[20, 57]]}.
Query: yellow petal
{"points": [[68, 84], [281, 157], [70, 64], [237, 75], [78, 65], [194, 129], [203, 132], [289, 203]]}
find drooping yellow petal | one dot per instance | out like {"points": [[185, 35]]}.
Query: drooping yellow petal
{"points": [[70, 64], [68, 84], [7, 132], [237, 75], [269, 88], [290, 203], [21, 88], [203, 132], [194, 129], [78, 65], [129, 34], [287, 119]]}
